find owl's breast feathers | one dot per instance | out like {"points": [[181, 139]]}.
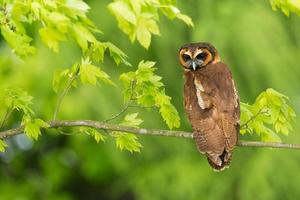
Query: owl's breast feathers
{"points": [[212, 106]]}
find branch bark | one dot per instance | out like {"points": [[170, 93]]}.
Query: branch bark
{"points": [[140, 131]]}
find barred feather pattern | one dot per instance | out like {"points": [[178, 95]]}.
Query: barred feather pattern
{"points": [[215, 121]]}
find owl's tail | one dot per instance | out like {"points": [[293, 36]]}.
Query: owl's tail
{"points": [[212, 145], [225, 158]]}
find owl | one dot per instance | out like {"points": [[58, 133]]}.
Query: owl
{"points": [[211, 102]]}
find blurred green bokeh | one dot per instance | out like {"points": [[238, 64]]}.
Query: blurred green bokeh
{"points": [[262, 48]]}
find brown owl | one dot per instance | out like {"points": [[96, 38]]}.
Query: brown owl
{"points": [[211, 102]]}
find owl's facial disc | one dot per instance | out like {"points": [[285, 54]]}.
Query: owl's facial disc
{"points": [[195, 62]]}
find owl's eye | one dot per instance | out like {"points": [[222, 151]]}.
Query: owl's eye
{"points": [[186, 57], [201, 56]]}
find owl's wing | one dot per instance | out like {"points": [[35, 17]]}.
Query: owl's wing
{"points": [[224, 98], [206, 132]]}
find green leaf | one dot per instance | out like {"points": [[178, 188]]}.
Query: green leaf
{"points": [[186, 19], [286, 6], [125, 140], [32, 128], [122, 10], [145, 26], [51, 3], [17, 99], [89, 74], [138, 19], [269, 136], [83, 36], [132, 120], [20, 43], [167, 110], [116, 53], [95, 134], [146, 65], [128, 141], [62, 77], [60, 21], [78, 6], [51, 38], [36, 8], [172, 12], [97, 51], [19, 11], [3, 145]]}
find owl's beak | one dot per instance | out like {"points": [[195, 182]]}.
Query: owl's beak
{"points": [[194, 65]]}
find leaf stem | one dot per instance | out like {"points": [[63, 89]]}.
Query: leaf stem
{"points": [[63, 94], [118, 114], [6, 116], [245, 125], [132, 87]]}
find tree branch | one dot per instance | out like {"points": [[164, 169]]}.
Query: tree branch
{"points": [[140, 131]]}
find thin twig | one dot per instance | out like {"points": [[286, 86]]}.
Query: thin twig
{"points": [[137, 106], [63, 94], [5, 117], [118, 114], [141, 131], [245, 125], [128, 105]]}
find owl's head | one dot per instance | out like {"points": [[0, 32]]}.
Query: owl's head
{"points": [[194, 56]]}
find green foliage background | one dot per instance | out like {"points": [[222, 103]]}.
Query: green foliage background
{"points": [[260, 46]]}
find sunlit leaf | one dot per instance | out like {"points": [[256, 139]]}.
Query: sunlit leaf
{"points": [[78, 6], [125, 140], [51, 38], [17, 99], [3, 145], [63, 76], [138, 19], [146, 87], [32, 128], [132, 120], [20, 43], [286, 6], [83, 36], [146, 25], [95, 134], [117, 54], [89, 74]]}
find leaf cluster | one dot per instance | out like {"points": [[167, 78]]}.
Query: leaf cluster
{"points": [[147, 90], [125, 140], [19, 100], [268, 116], [138, 19], [286, 6], [60, 21]]}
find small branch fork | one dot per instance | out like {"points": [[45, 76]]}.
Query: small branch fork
{"points": [[140, 131], [260, 112], [128, 105]]}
